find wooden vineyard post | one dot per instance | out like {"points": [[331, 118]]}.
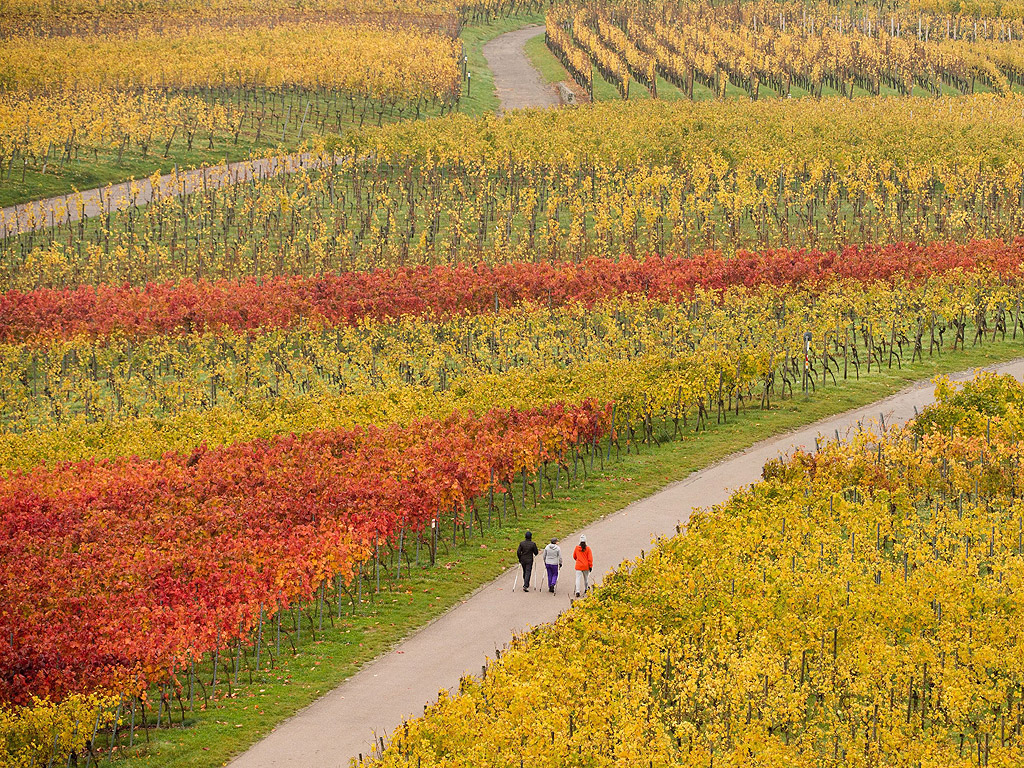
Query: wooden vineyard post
{"points": [[433, 542], [92, 739], [846, 353], [259, 639], [320, 594], [611, 433], [401, 543], [807, 362], [216, 661], [131, 728]]}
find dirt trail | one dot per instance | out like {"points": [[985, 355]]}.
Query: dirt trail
{"points": [[518, 83], [102, 200], [347, 721]]}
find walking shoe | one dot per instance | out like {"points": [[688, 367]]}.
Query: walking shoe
{"points": [[526, 589], [577, 594]]}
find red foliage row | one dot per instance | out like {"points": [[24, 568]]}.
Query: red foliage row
{"points": [[443, 291], [115, 572]]}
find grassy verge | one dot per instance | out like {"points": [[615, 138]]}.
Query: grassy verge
{"points": [[226, 726], [544, 61]]}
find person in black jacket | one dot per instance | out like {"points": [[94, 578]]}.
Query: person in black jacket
{"points": [[526, 552]]}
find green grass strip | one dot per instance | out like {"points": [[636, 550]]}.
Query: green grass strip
{"points": [[544, 61]]}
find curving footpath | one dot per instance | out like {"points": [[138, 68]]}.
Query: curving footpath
{"points": [[100, 201], [349, 720], [518, 84]]}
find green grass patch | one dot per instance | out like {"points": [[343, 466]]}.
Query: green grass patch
{"points": [[668, 92], [702, 93], [544, 61], [604, 90], [638, 91], [228, 725]]}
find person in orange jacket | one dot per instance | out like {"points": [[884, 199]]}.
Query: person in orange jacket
{"points": [[584, 557]]}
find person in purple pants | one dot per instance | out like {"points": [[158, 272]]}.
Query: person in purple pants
{"points": [[552, 562]]}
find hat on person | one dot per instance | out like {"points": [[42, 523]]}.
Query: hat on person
{"points": [[529, 535], [583, 538]]}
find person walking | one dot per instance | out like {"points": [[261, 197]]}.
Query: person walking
{"points": [[526, 552], [584, 557], [552, 562]]}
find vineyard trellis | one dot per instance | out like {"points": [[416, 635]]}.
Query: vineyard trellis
{"points": [[685, 180], [773, 48]]}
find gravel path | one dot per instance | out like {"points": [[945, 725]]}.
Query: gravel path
{"points": [[519, 85], [348, 720], [102, 200]]}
